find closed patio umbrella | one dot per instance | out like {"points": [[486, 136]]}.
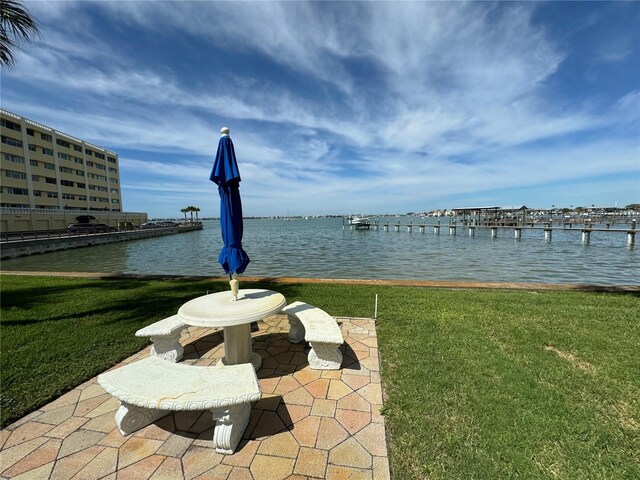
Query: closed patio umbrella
{"points": [[226, 175]]}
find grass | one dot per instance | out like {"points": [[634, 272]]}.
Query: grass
{"points": [[512, 384], [478, 384]]}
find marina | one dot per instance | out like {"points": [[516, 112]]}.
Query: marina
{"points": [[320, 248]]}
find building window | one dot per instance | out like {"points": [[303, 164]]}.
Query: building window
{"points": [[80, 173], [13, 158], [49, 166], [99, 155], [52, 194], [115, 200], [103, 189], [47, 151], [113, 180], [81, 185], [32, 147], [104, 200], [82, 197], [68, 196], [35, 178], [66, 183], [17, 191], [115, 190], [78, 160], [11, 141], [101, 177], [30, 132], [12, 174], [11, 126], [113, 170], [88, 152], [46, 137], [92, 187], [100, 167], [63, 143], [77, 148], [37, 193], [63, 156], [90, 163], [66, 170], [111, 159], [93, 199], [50, 180], [33, 163]]}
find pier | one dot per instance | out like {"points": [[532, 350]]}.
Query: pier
{"points": [[14, 245], [586, 229]]}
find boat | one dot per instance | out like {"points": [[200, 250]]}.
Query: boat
{"points": [[358, 222]]}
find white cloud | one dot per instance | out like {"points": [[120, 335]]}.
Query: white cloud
{"points": [[419, 99]]}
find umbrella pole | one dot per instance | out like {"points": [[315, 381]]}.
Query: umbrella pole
{"points": [[235, 286]]}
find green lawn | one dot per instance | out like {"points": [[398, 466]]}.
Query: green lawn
{"points": [[478, 384]]}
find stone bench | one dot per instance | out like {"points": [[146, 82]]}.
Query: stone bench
{"points": [[165, 336], [148, 389], [319, 329]]}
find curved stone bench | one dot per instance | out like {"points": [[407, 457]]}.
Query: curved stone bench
{"points": [[149, 388], [165, 336], [317, 327]]}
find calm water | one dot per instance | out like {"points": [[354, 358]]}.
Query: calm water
{"points": [[321, 248]]}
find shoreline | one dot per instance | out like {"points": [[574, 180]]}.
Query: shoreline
{"points": [[344, 281]]}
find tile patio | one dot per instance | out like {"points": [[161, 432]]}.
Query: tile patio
{"points": [[308, 424]]}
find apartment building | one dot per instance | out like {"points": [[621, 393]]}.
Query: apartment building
{"points": [[43, 168]]}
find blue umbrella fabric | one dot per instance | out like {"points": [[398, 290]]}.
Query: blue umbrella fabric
{"points": [[225, 174]]}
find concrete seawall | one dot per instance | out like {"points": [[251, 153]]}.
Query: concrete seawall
{"points": [[23, 248]]}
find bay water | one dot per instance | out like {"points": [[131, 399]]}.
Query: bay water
{"points": [[322, 248]]}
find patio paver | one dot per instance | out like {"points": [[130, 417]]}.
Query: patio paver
{"points": [[309, 423]]}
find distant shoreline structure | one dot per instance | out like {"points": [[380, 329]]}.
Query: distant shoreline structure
{"points": [[592, 214], [571, 212]]}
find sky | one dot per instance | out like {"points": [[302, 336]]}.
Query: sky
{"points": [[341, 107]]}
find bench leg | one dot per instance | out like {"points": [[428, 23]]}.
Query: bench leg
{"points": [[130, 418], [230, 424], [296, 330], [167, 347], [325, 356]]}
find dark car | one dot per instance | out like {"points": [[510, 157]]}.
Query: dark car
{"points": [[150, 225], [88, 228]]}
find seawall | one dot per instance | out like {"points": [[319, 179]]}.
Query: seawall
{"points": [[22, 248]]}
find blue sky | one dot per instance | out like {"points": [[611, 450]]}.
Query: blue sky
{"points": [[346, 107]]}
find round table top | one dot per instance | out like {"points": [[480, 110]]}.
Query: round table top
{"points": [[220, 310]]}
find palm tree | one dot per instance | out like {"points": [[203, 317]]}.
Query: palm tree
{"points": [[184, 210], [16, 24], [196, 209], [191, 209]]}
